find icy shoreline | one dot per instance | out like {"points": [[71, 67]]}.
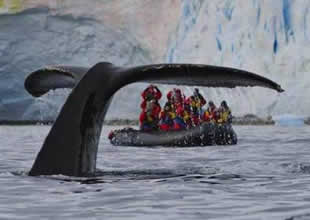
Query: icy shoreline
{"points": [[248, 119]]}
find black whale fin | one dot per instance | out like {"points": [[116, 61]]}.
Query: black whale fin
{"points": [[53, 77], [71, 145], [49, 78], [198, 75]]}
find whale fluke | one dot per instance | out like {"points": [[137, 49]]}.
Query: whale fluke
{"points": [[54, 77], [49, 78], [71, 145]]}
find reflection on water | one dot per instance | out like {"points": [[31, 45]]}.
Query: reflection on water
{"points": [[265, 176]]}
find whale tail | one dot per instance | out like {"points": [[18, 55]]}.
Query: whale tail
{"points": [[72, 143]]}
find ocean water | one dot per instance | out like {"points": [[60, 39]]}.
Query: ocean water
{"points": [[265, 176]]}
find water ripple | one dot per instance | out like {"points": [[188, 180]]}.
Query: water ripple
{"points": [[265, 176]]}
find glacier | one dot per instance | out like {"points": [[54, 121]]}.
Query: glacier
{"points": [[266, 37]]}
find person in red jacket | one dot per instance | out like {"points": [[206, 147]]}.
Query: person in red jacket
{"points": [[150, 106], [178, 121], [166, 117], [149, 116], [176, 98], [150, 93]]}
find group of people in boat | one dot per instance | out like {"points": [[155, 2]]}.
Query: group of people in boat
{"points": [[179, 112]]}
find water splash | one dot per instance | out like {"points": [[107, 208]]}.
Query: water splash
{"points": [[48, 106]]}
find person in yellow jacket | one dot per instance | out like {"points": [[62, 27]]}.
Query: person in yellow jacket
{"points": [[187, 115], [224, 113], [196, 102]]}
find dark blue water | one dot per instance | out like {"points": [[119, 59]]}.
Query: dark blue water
{"points": [[265, 176]]}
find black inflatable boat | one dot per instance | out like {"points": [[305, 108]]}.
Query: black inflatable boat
{"points": [[204, 135]]}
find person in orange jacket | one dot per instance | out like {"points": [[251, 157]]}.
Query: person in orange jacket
{"points": [[210, 113]]}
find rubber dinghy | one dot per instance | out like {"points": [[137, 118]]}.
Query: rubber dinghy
{"points": [[204, 135], [71, 146]]}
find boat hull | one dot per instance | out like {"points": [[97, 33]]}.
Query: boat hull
{"points": [[204, 135]]}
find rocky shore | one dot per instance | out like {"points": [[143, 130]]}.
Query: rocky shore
{"points": [[251, 119], [248, 119]]}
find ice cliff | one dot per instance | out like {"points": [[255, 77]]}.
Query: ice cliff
{"points": [[267, 37]]}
